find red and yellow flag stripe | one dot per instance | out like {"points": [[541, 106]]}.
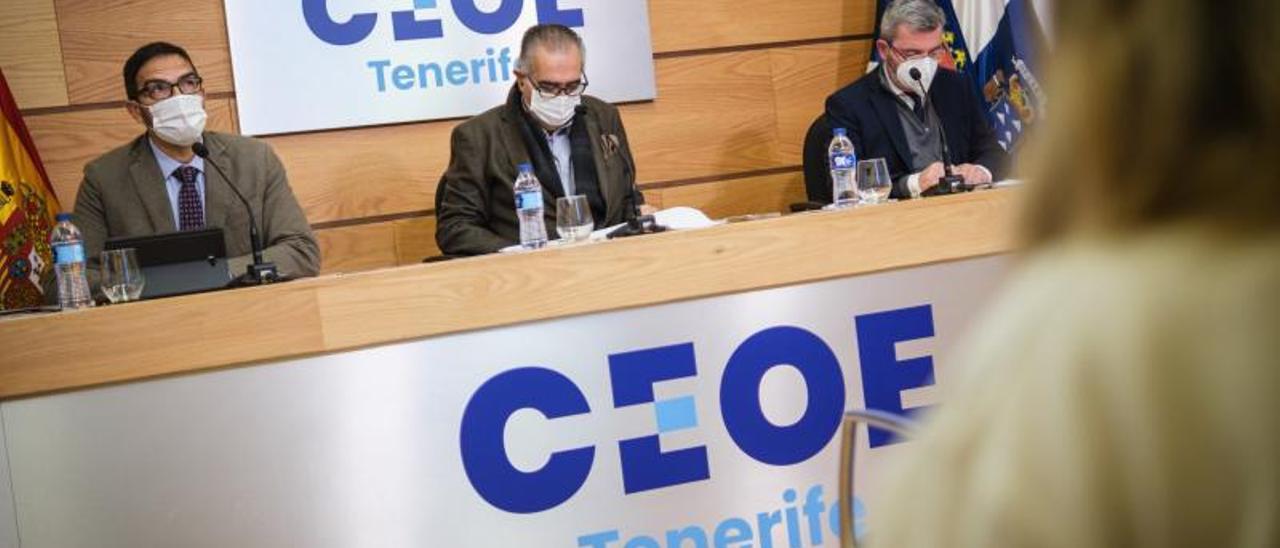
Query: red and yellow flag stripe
{"points": [[27, 209]]}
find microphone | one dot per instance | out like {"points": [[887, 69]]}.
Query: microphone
{"points": [[260, 272], [950, 182], [637, 223]]}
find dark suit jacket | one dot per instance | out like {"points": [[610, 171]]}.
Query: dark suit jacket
{"points": [[475, 204], [123, 194], [870, 113]]}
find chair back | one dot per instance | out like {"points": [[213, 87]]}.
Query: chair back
{"points": [[817, 178], [895, 424]]}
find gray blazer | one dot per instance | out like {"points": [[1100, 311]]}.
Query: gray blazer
{"points": [[124, 195], [475, 202]]}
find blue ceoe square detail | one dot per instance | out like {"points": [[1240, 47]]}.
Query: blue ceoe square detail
{"points": [[424, 4], [676, 414]]}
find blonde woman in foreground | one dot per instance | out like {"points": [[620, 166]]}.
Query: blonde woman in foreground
{"points": [[1125, 389]]}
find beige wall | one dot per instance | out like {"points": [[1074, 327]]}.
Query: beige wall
{"points": [[738, 83]]}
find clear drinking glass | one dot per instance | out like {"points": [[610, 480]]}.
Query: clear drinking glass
{"points": [[573, 219], [122, 278], [874, 184]]}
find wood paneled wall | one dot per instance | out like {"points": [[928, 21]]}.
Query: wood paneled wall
{"points": [[739, 81]]}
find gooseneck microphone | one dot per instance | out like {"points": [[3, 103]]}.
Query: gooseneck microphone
{"points": [[260, 272], [950, 182]]}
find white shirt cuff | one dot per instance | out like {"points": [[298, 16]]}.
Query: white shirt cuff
{"points": [[913, 185]]}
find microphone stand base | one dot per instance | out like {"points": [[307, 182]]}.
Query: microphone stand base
{"points": [[638, 226], [260, 274], [950, 184]]}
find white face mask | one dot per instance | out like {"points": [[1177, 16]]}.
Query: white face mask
{"points": [[928, 68], [555, 112], [179, 120]]}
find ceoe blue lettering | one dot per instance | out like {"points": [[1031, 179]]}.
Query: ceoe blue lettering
{"points": [[484, 454], [644, 466], [883, 376], [493, 22], [740, 395], [316, 13]]}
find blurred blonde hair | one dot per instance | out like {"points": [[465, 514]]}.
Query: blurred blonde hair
{"points": [[1162, 111]]}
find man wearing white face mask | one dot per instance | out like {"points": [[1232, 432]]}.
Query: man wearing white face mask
{"points": [[156, 184], [576, 144], [896, 111]]}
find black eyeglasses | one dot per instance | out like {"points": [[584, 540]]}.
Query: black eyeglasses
{"points": [[159, 90], [936, 53], [549, 90]]}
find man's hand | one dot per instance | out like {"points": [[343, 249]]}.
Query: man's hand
{"points": [[973, 174], [930, 176]]}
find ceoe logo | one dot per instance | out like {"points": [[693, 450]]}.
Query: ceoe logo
{"points": [[407, 26], [645, 467]]}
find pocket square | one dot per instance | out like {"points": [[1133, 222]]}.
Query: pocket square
{"points": [[610, 144]]}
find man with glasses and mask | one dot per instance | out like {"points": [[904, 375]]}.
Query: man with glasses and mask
{"points": [[896, 111], [156, 184], [576, 144]]}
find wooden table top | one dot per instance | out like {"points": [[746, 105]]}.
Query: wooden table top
{"points": [[124, 343]]}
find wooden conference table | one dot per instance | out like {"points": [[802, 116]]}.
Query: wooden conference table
{"points": [[396, 407], [125, 343]]}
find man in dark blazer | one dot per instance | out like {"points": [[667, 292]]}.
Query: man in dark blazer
{"points": [[576, 143], [886, 118], [156, 184]]}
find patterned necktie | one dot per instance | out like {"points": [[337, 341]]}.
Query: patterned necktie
{"points": [[190, 210]]}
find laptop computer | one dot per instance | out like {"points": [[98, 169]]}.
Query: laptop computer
{"points": [[179, 263]]}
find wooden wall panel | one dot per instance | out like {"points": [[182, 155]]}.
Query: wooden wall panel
{"points": [[31, 54], [377, 245], [415, 240], [803, 78], [99, 35], [69, 140], [357, 248], [680, 25], [356, 173], [714, 115], [653, 198], [721, 199]]}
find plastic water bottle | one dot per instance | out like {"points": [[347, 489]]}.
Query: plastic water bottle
{"points": [[528, 192], [69, 264], [842, 160]]}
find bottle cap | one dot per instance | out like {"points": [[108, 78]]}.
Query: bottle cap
{"points": [[63, 217], [525, 167], [841, 132]]}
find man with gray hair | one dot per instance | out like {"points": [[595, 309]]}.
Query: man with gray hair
{"points": [[897, 111], [575, 142]]}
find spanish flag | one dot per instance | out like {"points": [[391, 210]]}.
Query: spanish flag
{"points": [[27, 210]]}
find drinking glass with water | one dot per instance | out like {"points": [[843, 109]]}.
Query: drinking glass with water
{"points": [[122, 279], [573, 219], [874, 184]]}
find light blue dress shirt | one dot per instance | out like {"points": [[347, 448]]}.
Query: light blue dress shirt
{"points": [[562, 152], [173, 185]]}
